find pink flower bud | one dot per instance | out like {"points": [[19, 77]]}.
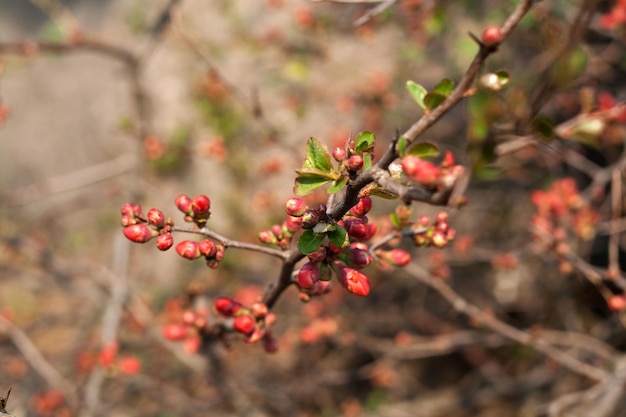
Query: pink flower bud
{"points": [[138, 233], [438, 240], [266, 236], [201, 205], [396, 257], [183, 203], [441, 217], [245, 323], [354, 281], [339, 154], [156, 217], [164, 241], [295, 207], [128, 220], [188, 249], [308, 275], [127, 210]]}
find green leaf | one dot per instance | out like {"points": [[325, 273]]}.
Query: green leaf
{"points": [[367, 161], [424, 150], [503, 77], [317, 156], [432, 100], [337, 185], [306, 185], [364, 142], [380, 192], [316, 173], [395, 222], [487, 173], [417, 92], [401, 146], [443, 87], [338, 236], [309, 241]]}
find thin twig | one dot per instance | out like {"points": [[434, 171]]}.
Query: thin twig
{"points": [[532, 340]]}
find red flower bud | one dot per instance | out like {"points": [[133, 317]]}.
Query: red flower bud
{"points": [[492, 35], [362, 207], [617, 302], [448, 160], [138, 233], [310, 218], [245, 323], [201, 205], [174, 332], [318, 256], [360, 258], [188, 249], [259, 310], [156, 217], [292, 224], [295, 207], [226, 306], [207, 248], [420, 171], [308, 275], [356, 228], [355, 162], [129, 365], [354, 281], [164, 241], [183, 203]]}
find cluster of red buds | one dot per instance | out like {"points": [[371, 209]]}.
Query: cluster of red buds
{"points": [[196, 210], [433, 232], [350, 159], [431, 176], [141, 228], [212, 252], [187, 328], [562, 206], [282, 234], [252, 322]]}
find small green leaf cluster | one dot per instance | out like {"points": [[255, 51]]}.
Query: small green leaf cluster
{"points": [[317, 169]]}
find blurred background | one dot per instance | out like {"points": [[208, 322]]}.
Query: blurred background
{"points": [[108, 102]]}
